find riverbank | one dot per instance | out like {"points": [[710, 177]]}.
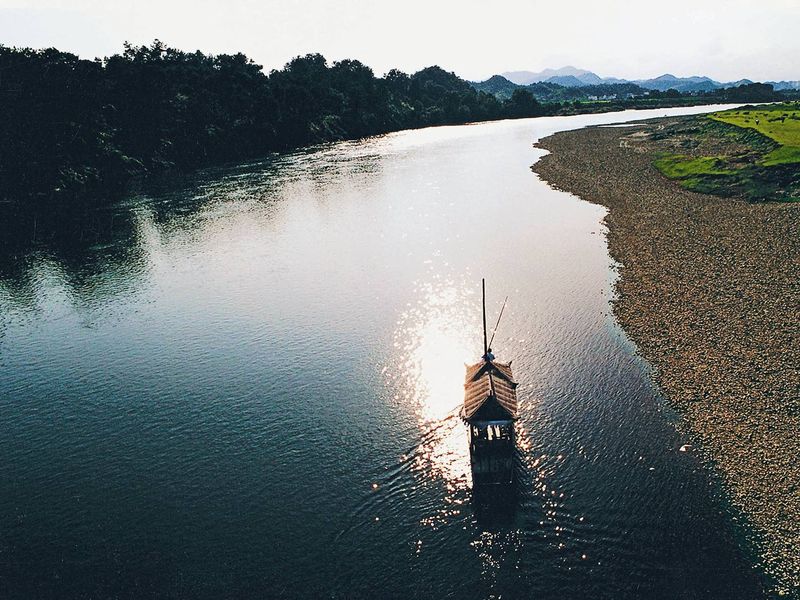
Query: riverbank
{"points": [[709, 293]]}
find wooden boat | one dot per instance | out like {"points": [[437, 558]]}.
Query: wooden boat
{"points": [[490, 409]]}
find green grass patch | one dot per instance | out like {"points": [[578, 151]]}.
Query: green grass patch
{"points": [[705, 174], [778, 122], [785, 155], [764, 164], [710, 175], [678, 166]]}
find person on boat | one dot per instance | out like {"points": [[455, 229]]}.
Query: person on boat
{"points": [[488, 357]]}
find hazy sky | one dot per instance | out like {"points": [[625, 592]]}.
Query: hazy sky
{"points": [[725, 39]]}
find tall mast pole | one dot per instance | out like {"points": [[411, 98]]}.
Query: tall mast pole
{"points": [[483, 293]]}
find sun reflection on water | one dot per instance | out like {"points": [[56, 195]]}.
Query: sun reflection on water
{"points": [[434, 339]]}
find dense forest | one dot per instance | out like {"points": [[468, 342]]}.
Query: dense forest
{"points": [[71, 127]]}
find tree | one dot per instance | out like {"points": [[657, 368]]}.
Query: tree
{"points": [[522, 104]]}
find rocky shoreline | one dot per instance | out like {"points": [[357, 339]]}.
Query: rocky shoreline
{"points": [[709, 290]]}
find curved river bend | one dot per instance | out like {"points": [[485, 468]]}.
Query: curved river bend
{"points": [[248, 386]]}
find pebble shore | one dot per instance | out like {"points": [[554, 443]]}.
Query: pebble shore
{"points": [[709, 290]]}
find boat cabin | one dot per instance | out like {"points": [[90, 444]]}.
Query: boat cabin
{"points": [[490, 409]]}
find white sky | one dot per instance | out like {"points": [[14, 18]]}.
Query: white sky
{"points": [[724, 39]]}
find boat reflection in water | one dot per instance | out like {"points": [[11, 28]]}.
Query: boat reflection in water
{"points": [[496, 506]]}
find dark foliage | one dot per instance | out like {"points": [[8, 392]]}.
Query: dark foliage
{"points": [[70, 127], [552, 92], [750, 92], [74, 128]]}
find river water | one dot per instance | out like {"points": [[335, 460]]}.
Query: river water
{"points": [[246, 385]]}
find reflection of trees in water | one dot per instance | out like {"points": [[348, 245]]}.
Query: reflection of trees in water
{"points": [[84, 244], [92, 243], [96, 247], [175, 201]]}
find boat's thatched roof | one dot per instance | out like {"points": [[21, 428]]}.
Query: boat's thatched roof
{"points": [[490, 385]]}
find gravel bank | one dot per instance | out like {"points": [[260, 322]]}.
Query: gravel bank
{"points": [[710, 293]]}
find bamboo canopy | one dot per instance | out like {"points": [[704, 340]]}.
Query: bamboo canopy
{"points": [[490, 392]]}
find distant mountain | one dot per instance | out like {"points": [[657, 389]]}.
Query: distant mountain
{"points": [[547, 91], [681, 84], [590, 78], [574, 77], [528, 77], [613, 80], [551, 91], [567, 81], [569, 84], [498, 85], [785, 85]]}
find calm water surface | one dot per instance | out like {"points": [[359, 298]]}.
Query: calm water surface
{"points": [[246, 385]]}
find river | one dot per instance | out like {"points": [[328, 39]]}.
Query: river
{"points": [[246, 383]]}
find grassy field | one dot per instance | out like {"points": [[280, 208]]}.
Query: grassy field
{"points": [[679, 166], [779, 122], [765, 166]]}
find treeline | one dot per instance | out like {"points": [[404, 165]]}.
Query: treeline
{"points": [[748, 92], [549, 92], [70, 126]]}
